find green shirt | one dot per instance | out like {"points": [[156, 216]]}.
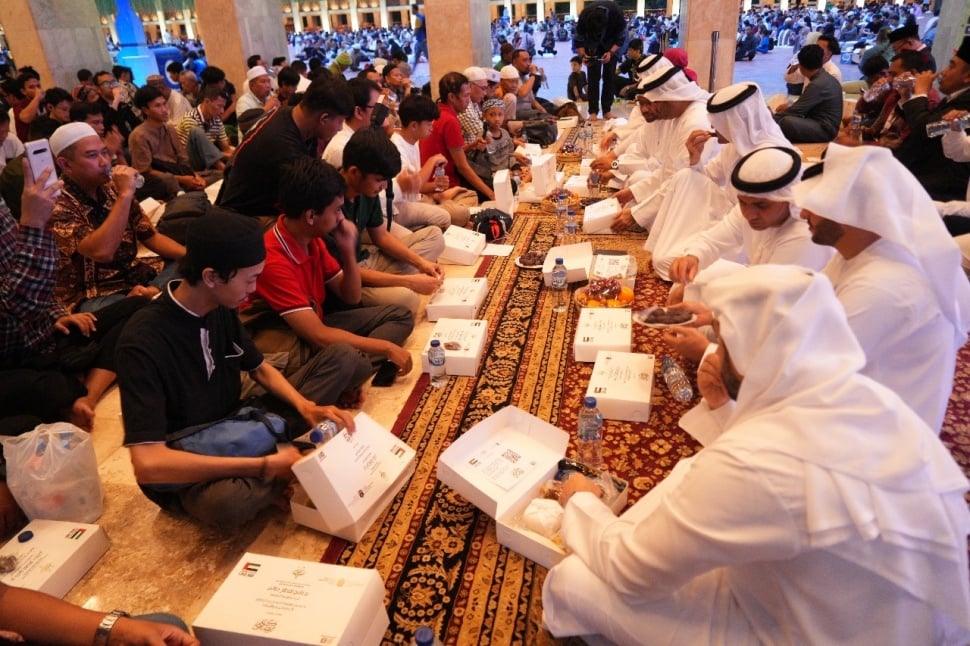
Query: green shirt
{"points": [[364, 212]]}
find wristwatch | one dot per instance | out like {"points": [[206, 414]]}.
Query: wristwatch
{"points": [[615, 164], [104, 629]]}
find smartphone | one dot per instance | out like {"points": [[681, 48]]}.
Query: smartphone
{"points": [[39, 158], [385, 376]]}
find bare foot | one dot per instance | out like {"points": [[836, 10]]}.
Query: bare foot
{"points": [[82, 414], [351, 399], [608, 115]]}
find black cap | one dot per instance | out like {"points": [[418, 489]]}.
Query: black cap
{"points": [[224, 241], [963, 53], [904, 32]]}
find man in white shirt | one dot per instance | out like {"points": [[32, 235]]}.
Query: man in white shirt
{"points": [[10, 146], [260, 93], [897, 271], [365, 93], [824, 512]]}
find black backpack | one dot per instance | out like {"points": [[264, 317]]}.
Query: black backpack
{"points": [[495, 224]]}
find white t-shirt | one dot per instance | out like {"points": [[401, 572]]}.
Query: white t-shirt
{"points": [[410, 163], [10, 148]]}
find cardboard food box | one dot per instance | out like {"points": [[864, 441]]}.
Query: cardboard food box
{"points": [[462, 246], [502, 187], [464, 343], [52, 555], [349, 481], [273, 600], [602, 328], [622, 266], [500, 466], [543, 175], [622, 383], [577, 184], [458, 298], [598, 216], [577, 258]]}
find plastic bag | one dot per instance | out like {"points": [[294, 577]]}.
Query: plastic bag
{"points": [[52, 472]]}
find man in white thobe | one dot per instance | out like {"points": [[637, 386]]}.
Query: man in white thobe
{"points": [[896, 271], [824, 512]]}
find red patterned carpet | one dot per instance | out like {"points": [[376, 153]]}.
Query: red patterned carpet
{"points": [[437, 554]]}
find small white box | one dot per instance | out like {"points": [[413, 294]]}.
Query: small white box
{"points": [[543, 175], [274, 600], [502, 187], [585, 165], [462, 246], [350, 480], [464, 343], [622, 383], [577, 184], [624, 267], [602, 328], [598, 216], [567, 122], [500, 465], [576, 257], [458, 298], [56, 557]]}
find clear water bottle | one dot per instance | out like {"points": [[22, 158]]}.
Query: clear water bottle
{"points": [[938, 128], [139, 178], [439, 178], [436, 359], [855, 126], [425, 636], [677, 382], [570, 226], [878, 91], [560, 287], [590, 434], [562, 208], [324, 432]]}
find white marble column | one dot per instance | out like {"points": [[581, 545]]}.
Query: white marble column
{"points": [[235, 29], [459, 36], [385, 17], [697, 21]]}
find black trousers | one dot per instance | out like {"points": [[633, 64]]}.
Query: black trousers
{"points": [[601, 96]]}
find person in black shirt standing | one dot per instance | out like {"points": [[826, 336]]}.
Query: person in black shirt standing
{"points": [[600, 34]]}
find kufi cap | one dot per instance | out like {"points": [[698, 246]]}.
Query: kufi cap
{"points": [[492, 75], [904, 32], [768, 172], [69, 134], [379, 62], [256, 72], [154, 78], [224, 240], [492, 103], [867, 188], [509, 72], [963, 53], [729, 97], [671, 85], [475, 74]]}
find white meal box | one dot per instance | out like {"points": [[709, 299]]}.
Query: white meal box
{"points": [[602, 328], [500, 466], [349, 481], [273, 600], [622, 383], [505, 199], [458, 298], [543, 175], [462, 246], [609, 265], [577, 184], [577, 258], [51, 556], [598, 216], [464, 344]]}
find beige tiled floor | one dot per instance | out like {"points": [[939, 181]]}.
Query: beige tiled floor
{"points": [[161, 563]]}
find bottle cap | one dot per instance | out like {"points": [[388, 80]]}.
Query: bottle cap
{"points": [[558, 261], [424, 636], [316, 435], [435, 343], [589, 402]]}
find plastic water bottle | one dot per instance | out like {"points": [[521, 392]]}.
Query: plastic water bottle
{"points": [[677, 382], [590, 434], [570, 227], [559, 287], [324, 432], [562, 207], [425, 636], [139, 178], [938, 128], [436, 357], [439, 173], [855, 126], [593, 182]]}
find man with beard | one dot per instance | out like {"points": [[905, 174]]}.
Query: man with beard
{"points": [[823, 499]]}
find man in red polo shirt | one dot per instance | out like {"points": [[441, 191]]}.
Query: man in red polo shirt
{"points": [[446, 137], [286, 312]]}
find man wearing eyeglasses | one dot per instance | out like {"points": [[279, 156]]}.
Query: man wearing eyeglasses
{"points": [[365, 93], [116, 112]]}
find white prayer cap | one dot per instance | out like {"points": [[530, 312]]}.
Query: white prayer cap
{"points": [[671, 85], [69, 134], [740, 114], [256, 72], [770, 173], [492, 74], [867, 188], [475, 74], [509, 72]]}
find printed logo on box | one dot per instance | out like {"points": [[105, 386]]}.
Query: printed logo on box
{"points": [[75, 534], [249, 569]]}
